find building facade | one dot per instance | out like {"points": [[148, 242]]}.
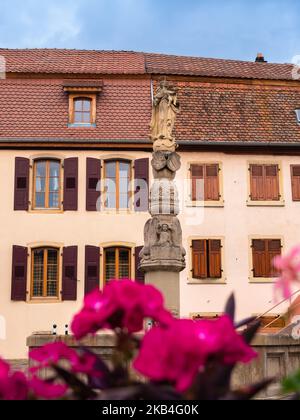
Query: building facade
{"points": [[75, 157]]}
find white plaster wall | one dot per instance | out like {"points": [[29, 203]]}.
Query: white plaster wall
{"points": [[235, 222]]}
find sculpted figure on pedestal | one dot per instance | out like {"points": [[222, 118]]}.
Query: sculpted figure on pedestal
{"points": [[164, 112]]}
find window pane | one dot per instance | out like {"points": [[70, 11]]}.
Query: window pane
{"points": [[54, 169], [124, 201], [78, 117], [124, 185], [78, 104], [41, 169], [52, 273], [124, 169], [111, 169], [54, 200], [40, 200], [87, 105], [86, 117], [123, 263], [124, 272], [40, 184], [54, 184], [110, 201], [38, 273]]}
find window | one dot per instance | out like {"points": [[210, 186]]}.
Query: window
{"points": [[207, 259], [205, 182], [117, 263], [264, 183], [47, 184], [264, 251], [298, 115], [117, 184], [295, 169], [44, 282], [82, 110]]}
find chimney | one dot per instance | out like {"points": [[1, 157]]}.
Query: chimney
{"points": [[260, 58]]}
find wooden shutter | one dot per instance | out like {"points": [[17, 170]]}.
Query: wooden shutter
{"points": [[296, 182], [212, 183], [141, 172], [215, 265], [199, 255], [197, 174], [92, 269], [139, 274], [19, 273], [93, 176], [272, 182], [257, 192], [71, 184], [69, 275], [260, 264], [274, 250], [21, 196]]}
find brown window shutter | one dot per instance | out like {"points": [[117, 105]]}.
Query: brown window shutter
{"points": [[21, 198], [71, 184], [139, 274], [215, 264], [259, 251], [199, 254], [19, 273], [197, 174], [92, 269], [257, 190], [272, 183], [141, 185], [212, 183], [69, 275], [93, 176], [296, 182], [274, 250]]}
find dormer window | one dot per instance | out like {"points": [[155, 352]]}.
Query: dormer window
{"points": [[82, 111], [82, 102], [298, 115]]}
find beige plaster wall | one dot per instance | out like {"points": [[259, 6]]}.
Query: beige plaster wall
{"points": [[234, 223]]}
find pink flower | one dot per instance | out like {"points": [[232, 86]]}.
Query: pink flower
{"points": [[47, 390], [289, 267], [56, 352], [220, 340], [13, 386], [123, 304], [177, 353]]}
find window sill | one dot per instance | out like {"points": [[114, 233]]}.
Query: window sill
{"points": [[46, 211], [43, 300], [200, 204], [207, 281], [82, 125], [280, 203], [262, 280]]}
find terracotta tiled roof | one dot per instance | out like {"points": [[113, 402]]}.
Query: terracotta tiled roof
{"points": [[122, 62], [210, 112], [39, 109], [73, 61], [195, 66]]}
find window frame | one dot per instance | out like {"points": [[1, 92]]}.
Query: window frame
{"points": [[60, 192], [77, 96], [206, 203], [262, 280], [130, 183], [117, 249], [44, 298], [208, 281], [266, 203]]}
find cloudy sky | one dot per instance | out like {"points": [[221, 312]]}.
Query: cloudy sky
{"points": [[236, 29]]}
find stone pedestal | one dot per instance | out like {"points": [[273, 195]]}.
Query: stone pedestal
{"points": [[169, 284]]}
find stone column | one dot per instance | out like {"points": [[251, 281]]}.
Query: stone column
{"points": [[163, 256]]}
